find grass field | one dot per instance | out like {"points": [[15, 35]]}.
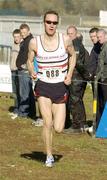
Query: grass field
{"points": [[22, 154]]}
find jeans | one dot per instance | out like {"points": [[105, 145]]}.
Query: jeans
{"points": [[27, 101], [15, 89]]}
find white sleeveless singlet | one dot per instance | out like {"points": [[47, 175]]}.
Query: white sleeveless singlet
{"points": [[52, 65]]}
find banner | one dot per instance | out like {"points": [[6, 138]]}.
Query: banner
{"points": [[5, 79]]}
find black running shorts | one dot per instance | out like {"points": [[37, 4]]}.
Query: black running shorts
{"points": [[57, 92]]}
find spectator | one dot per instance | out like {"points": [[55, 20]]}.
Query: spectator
{"points": [[14, 53], [93, 63], [101, 73], [27, 101], [78, 85]]}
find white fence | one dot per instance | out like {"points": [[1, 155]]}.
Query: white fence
{"points": [[9, 23], [5, 53]]}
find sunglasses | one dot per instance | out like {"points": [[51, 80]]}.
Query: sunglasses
{"points": [[52, 22]]}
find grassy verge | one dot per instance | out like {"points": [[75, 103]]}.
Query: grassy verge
{"points": [[22, 154]]}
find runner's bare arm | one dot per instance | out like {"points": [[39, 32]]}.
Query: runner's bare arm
{"points": [[31, 55], [72, 59]]}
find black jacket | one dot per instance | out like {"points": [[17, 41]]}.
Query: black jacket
{"points": [[23, 53], [82, 59], [93, 61]]}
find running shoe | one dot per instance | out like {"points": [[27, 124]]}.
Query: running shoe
{"points": [[38, 122], [14, 116], [89, 130], [49, 161]]}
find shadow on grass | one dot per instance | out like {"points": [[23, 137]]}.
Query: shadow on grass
{"points": [[39, 156]]}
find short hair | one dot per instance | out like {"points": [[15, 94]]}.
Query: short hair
{"points": [[94, 29], [50, 12], [24, 26], [103, 31], [16, 31], [72, 26]]}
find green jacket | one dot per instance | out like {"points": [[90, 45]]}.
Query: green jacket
{"points": [[102, 63]]}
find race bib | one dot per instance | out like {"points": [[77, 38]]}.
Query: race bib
{"points": [[52, 73]]}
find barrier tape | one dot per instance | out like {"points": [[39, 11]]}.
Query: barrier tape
{"points": [[75, 80]]}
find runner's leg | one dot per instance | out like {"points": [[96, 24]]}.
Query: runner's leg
{"points": [[59, 113], [45, 106]]}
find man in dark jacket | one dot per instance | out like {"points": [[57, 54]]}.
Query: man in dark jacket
{"points": [[78, 85], [101, 74], [93, 63], [27, 101], [92, 66]]}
